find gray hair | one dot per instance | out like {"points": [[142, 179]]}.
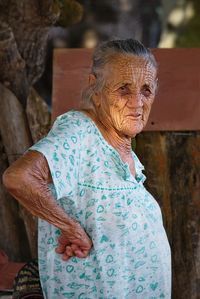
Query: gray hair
{"points": [[102, 55]]}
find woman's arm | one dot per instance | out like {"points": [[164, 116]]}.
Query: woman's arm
{"points": [[27, 180]]}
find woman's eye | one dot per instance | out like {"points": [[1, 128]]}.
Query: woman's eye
{"points": [[124, 89], [146, 92]]}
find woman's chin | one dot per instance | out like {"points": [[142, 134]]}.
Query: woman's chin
{"points": [[132, 131]]}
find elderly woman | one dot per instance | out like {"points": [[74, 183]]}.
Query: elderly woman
{"points": [[101, 233]]}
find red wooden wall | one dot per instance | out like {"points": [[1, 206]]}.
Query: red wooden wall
{"points": [[177, 105]]}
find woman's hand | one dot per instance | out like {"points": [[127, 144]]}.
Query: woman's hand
{"points": [[74, 242], [27, 179]]}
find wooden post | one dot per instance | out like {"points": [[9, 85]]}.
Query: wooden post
{"points": [[13, 237], [14, 126], [172, 162]]}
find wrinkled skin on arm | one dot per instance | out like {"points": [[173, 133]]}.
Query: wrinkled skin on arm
{"points": [[27, 180]]}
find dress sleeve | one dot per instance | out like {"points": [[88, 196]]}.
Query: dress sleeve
{"points": [[61, 150]]}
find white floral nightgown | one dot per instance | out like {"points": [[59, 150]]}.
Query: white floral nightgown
{"points": [[130, 258]]}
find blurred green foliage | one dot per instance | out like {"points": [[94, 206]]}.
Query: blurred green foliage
{"points": [[190, 34]]}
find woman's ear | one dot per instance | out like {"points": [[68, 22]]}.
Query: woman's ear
{"points": [[92, 79], [96, 96]]}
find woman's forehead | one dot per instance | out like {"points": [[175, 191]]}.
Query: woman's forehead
{"points": [[129, 68]]}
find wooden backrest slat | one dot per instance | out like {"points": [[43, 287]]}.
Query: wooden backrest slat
{"points": [[177, 104]]}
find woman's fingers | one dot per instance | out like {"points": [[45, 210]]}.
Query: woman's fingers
{"points": [[65, 257], [74, 243], [83, 242], [74, 247], [73, 250], [62, 243], [77, 235], [81, 253], [60, 249], [69, 251], [63, 240]]}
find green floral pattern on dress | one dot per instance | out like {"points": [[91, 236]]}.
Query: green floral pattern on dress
{"points": [[130, 258]]}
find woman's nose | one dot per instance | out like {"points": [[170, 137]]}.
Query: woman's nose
{"points": [[136, 100]]}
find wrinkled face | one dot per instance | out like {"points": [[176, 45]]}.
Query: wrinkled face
{"points": [[126, 99]]}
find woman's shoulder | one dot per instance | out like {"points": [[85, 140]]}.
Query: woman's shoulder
{"points": [[72, 122], [72, 118]]}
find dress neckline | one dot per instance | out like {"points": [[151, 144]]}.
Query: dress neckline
{"points": [[139, 176]]}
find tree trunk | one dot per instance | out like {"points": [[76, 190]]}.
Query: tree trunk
{"points": [[24, 28], [13, 72], [14, 126], [38, 115], [13, 241]]}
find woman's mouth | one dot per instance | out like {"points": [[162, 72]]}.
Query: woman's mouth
{"points": [[136, 115]]}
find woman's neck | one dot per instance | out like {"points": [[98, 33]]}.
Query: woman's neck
{"points": [[120, 142]]}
